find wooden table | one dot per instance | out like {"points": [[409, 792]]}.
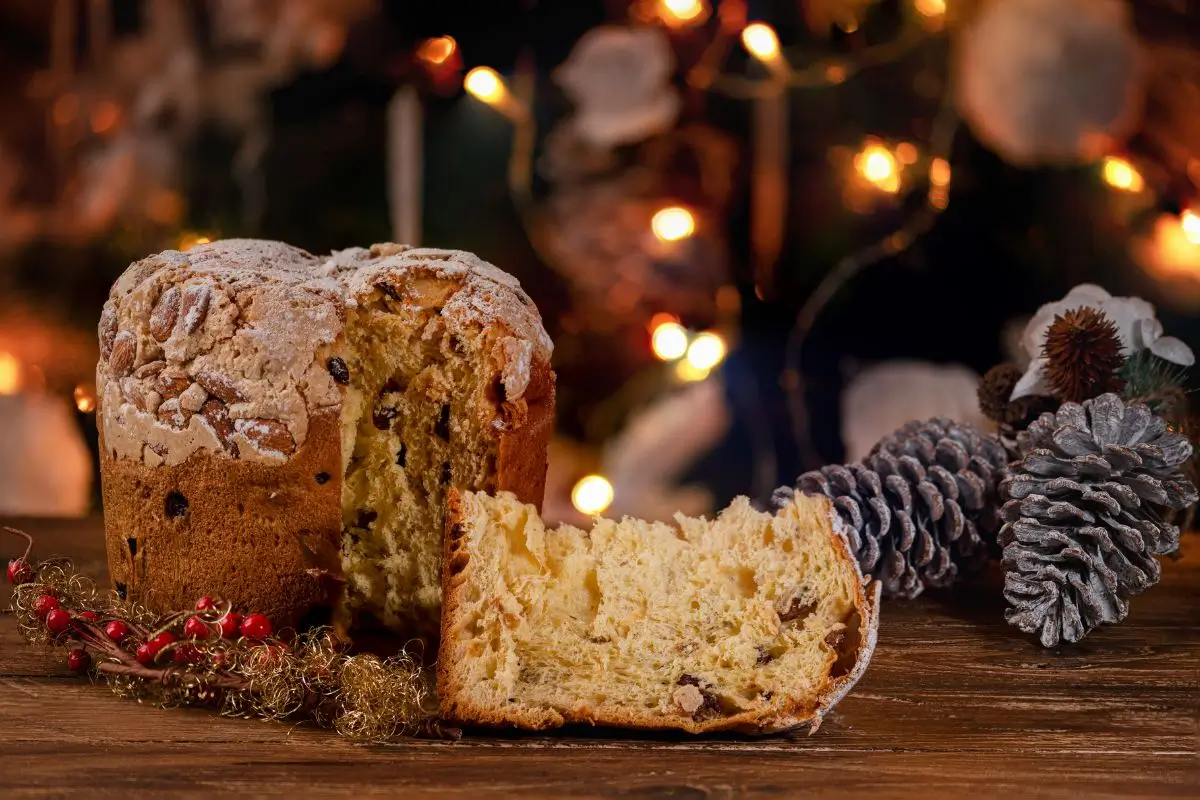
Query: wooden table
{"points": [[955, 703]]}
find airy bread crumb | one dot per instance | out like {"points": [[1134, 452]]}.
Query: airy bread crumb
{"points": [[752, 621]]}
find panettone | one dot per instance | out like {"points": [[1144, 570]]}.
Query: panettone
{"points": [[280, 429], [752, 622]]}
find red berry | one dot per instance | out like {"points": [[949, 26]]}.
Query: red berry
{"points": [[58, 620], [117, 630], [230, 624], [195, 628], [146, 653], [19, 571], [256, 626], [90, 616], [78, 660], [186, 654], [219, 659], [206, 603], [162, 640], [44, 605]]}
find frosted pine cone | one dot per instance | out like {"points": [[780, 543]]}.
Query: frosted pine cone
{"points": [[1081, 523], [922, 507]]}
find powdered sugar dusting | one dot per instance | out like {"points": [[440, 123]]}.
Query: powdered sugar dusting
{"points": [[264, 318], [518, 361]]}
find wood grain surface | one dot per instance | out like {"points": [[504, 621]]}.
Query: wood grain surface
{"points": [[955, 703]]}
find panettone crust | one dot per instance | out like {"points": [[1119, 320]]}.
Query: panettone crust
{"points": [[267, 535]]}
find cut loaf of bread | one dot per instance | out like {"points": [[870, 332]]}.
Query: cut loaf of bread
{"points": [[751, 622], [279, 429]]}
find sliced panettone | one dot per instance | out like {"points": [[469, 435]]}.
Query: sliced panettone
{"points": [[752, 622]]}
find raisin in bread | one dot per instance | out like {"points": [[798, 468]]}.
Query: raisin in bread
{"points": [[280, 429], [750, 622]]}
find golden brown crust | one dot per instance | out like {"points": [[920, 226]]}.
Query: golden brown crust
{"points": [[266, 537], [456, 707], [521, 459]]}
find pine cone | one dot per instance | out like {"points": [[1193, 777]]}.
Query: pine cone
{"points": [[1081, 528], [922, 507], [995, 391]]}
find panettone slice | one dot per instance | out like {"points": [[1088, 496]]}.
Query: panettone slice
{"points": [[751, 622]]}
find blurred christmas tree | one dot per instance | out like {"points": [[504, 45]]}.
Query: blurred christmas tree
{"points": [[732, 213]]}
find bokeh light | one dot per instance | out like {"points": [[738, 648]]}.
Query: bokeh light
{"points": [[1190, 223], [876, 164], [673, 224], [669, 341], [683, 12], [592, 494], [706, 351], [435, 51], [1120, 174], [761, 41], [485, 84]]}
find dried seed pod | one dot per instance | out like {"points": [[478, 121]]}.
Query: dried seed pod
{"points": [[1083, 355]]}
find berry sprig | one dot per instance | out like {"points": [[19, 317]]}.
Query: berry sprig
{"points": [[213, 655]]}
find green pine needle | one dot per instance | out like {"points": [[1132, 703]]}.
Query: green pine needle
{"points": [[1155, 382]]}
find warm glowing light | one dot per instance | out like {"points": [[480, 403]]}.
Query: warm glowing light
{"points": [[906, 153], [189, 239], [85, 399], [835, 73], [435, 51], [10, 373], [105, 117], [706, 351], [673, 224], [939, 172], [877, 164], [687, 12], [761, 41], [1173, 250], [1189, 222], [930, 8], [1120, 174], [939, 183], [592, 494], [485, 84], [65, 109], [669, 341], [687, 371]]}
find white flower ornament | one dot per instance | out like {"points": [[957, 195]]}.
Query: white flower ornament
{"points": [[1137, 327], [619, 80]]}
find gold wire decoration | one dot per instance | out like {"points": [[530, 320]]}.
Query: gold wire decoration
{"points": [[304, 678]]}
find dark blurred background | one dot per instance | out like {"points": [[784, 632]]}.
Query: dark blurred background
{"points": [[131, 126]]}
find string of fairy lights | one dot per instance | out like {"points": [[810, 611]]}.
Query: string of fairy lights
{"points": [[876, 171], [880, 169]]}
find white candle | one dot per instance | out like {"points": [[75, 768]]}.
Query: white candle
{"points": [[404, 164], [45, 466]]}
